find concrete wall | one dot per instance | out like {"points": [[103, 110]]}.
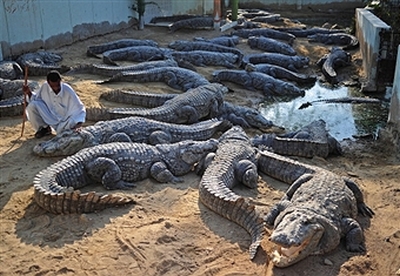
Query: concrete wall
{"points": [[368, 27], [27, 25]]}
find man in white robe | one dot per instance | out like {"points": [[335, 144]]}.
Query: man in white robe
{"points": [[54, 106]]}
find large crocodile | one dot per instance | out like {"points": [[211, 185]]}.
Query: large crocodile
{"points": [[192, 23], [329, 63], [10, 70], [244, 116], [175, 77], [309, 141], [130, 129], [270, 45], [115, 165], [202, 102], [266, 32], [11, 96], [111, 70], [184, 45], [280, 72], [289, 62], [234, 162], [95, 50], [319, 208], [224, 40], [339, 39], [135, 53], [207, 58], [304, 32], [41, 63], [258, 81]]}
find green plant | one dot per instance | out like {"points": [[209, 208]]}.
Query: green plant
{"points": [[388, 11]]}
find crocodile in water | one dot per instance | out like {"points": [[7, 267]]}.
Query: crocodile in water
{"points": [[349, 100], [234, 162], [319, 208], [117, 166], [130, 129]]}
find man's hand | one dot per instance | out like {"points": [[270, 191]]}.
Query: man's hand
{"points": [[27, 91]]}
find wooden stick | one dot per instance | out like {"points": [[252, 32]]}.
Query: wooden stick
{"points": [[24, 104]]}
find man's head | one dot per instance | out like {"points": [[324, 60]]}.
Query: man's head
{"points": [[54, 80]]}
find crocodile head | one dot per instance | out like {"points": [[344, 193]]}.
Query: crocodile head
{"points": [[65, 143], [296, 235]]}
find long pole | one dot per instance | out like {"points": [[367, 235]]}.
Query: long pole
{"points": [[24, 103]]}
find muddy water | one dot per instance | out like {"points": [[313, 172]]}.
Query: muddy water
{"points": [[343, 120]]}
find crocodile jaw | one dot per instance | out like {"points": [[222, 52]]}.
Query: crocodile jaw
{"points": [[287, 255], [66, 143]]}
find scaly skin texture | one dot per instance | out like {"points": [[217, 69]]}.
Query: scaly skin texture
{"points": [[339, 39], [228, 41], [207, 58], [300, 32], [94, 50], [192, 23], [10, 70], [331, 62], [258, 81], [234, 162], [111, 70], [175, 77], [135, 53], [270, 45], [116, 166], [244, 116], [267, 32], [41, 63], [11, 96], [281, 73], [292, 63], [131, 129], [319, 208], [309, 141]]}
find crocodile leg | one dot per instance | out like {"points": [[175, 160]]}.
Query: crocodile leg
{"points": [[354, 235], [160, 172]]}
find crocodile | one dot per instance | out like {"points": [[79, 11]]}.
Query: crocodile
{"points": [[130, 129], [339, 39], [95, 50], [10, 70], [309, 141], [11, 96], [175, 77], [207, 58], [192, 23], [266, 32], [116, 166], [329, 63], [304, 32], [172, 18], [234, 162], [258, 81], [270, 45], [292, 63], [281, 73], [184, 45], [318, 209], [244, 116], [41, 63], [270, 18], [202, 102], [110, 70], [135, 53], [224, 40], [349, 100]]}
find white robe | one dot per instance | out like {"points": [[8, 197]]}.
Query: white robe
{"points": [[61, 111]]}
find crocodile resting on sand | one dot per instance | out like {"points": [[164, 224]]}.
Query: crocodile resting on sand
{"points": [[130, 129], [116, 166], [234, 162], [319, 208]]}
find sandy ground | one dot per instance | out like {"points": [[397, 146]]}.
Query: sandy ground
{"points": [[168, 231]]}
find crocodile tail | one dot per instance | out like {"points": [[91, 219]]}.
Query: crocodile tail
{"points": [[233, 207], [225, 125], [76, 202]]}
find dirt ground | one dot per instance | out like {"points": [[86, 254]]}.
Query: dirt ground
{"points": [[169, 231]]}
